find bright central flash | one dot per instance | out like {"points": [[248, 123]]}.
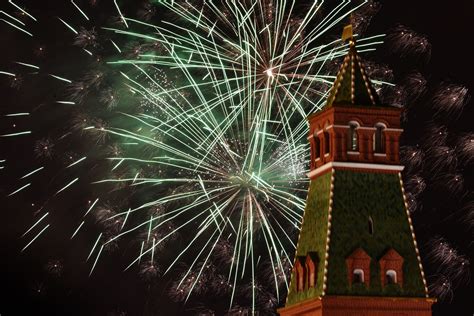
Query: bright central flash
{"points": [[244, 181], [269, 72]]}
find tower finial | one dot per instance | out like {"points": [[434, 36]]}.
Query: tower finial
{"points": [[347, 33]]}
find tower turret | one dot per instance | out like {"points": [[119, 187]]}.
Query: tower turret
{"points": [[357, 252]]}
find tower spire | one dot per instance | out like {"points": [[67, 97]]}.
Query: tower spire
{"points": [[352, 85]]}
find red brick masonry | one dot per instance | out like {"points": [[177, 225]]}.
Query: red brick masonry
{"points": [[360, 306], [359, 259], [334, 121]]}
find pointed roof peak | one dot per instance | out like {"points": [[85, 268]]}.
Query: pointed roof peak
{"points": [[359, 253], [391, 254], [352, 85]]}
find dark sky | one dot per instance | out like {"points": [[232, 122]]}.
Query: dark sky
{"points": [[447, 25], [448, 28]]}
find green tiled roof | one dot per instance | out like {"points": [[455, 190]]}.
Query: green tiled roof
{"points": [[356, 196], [352, 85], [313, 235]]}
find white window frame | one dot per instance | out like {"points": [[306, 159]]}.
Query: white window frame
{"points": [[359, 272], [384, 128], [357, 126], [392, 273]]}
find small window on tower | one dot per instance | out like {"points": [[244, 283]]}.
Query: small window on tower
{"points": [[311, 267], [391, 268], [379, 139], [326, 143], [317, 146], [371, 225], [391, 277], [353, 137], [358, 276], [300, 274]]}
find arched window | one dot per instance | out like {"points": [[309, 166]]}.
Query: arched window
{"points": [[300, 275], [352, 137], [358, 267], [311, 267], [379, 139], [326, 143], [317, 146], [310, 274], [391, 277], [371, 225], [358, 276], [391, 268]]}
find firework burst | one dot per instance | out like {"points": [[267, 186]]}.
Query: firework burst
{"points": [[199, 126]]}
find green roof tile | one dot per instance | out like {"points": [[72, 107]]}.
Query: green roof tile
{"points": [[352, 85], [356, 195]]}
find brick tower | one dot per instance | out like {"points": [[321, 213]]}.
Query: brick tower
{"points": [[356, 253]]}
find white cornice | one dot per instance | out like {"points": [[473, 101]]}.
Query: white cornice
{"points": [[394, 130], [354, 165], [388, 129], [319, 170]]}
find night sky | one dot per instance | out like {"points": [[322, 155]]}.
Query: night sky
{"points": [[28, 288]]}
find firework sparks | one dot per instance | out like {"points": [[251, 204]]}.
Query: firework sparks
{"points": [[205, 130]]}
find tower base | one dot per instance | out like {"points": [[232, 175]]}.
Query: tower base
{"points": [[360, 306]]}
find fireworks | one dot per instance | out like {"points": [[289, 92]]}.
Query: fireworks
{"points": [[450, 100], [197, 125], [407, 43], [452, 268], [192, 129], [436, 160], [261, 87], [54, 268], [44, 148]]}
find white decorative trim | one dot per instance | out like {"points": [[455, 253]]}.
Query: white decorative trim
{"points": [[357, 125], [320, 131], [354, 165], [296, 251], [327, 238], [394, 130], [351, 152], [366, 80], [326, 155], [380, 155], [328, 234], [372, 128], [420, 265], [319, 170]]}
